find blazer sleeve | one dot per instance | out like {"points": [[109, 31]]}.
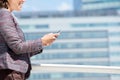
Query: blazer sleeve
{"points": [[13, 40]]}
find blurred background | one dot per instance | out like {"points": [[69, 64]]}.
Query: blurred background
{"points": [[90, 35]]}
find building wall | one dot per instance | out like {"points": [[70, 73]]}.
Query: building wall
{"points": [[96, 4], [83, 41]]}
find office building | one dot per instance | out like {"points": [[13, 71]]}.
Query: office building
{"points": [[96, 4], [88, 38], [83, 41]]}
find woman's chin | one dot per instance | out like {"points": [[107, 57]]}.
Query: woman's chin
{"points": [[18, 9]]}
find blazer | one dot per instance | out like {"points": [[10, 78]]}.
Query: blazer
{"points": [[15, 52]]}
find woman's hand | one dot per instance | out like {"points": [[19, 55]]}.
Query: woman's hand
{"points": [[49, 38]]}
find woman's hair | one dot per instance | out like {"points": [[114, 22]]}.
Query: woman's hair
{"points": [[3, 3]]}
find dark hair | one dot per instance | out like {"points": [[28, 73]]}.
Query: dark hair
{"points": [[3, 3]]}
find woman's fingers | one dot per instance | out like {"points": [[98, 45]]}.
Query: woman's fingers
{"points": [[49, 38]]}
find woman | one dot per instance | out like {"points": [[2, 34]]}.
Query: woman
{"points": [[15, 52]]}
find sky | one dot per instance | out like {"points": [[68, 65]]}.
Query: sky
{"points": [[47, 5]]}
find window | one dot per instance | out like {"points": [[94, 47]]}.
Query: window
{"points": [[39, 26], [24, 27], [95, 24]]}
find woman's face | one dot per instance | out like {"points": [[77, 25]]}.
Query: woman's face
{"points": [[15, 4]]}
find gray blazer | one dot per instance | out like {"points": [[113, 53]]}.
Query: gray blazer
{"points": [[15, 52]]}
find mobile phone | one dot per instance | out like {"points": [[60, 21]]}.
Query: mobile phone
{"points": [[59, 31]]}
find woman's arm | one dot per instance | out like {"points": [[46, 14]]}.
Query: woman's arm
{"points": [[13, 40]]}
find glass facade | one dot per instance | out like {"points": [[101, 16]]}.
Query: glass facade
{"points": [[82, 42], [93, 40], [96, 4], [74, 46], [60, 76]]}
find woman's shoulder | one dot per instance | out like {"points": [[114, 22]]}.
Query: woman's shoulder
{"points": [[4, 13], [3, 10]]}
